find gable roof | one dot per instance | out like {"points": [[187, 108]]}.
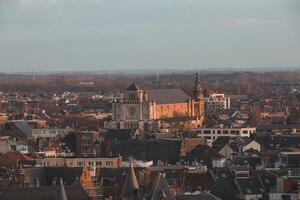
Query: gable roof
{"points": [[12, 158], [133, 87], [159, 188], [203, 153], [42, 193], [166, 96]]}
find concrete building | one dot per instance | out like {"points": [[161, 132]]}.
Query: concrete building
{"points": [[114, 162], [217, 102], [49, 132], [211, 134]]}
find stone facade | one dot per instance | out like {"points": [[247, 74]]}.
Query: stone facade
{"points": [[146, 109]]}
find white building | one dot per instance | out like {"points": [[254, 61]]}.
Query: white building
{"points": [[211, 134], [217, 102], [50, 132]]}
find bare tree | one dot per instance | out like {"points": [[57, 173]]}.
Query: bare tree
{"points": [[179, 123]]}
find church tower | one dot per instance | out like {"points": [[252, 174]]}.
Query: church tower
{"points": [[61, 192], [131, 186], [198, 100], [197, 92]]}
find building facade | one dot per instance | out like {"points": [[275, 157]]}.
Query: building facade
{"points": [[88, 144], [211, 134], [113, 162], [146, 109], [217, 102]]}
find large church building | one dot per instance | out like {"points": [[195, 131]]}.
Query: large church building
{"points": [[146, 110]]}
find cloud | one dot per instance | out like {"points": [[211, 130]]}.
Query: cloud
{"points": [[145, 32], [35, 2]]}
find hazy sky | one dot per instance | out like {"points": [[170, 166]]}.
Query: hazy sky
{"points": [[45, 35]]}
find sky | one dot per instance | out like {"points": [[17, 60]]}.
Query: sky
{"points": [[83, 35]]}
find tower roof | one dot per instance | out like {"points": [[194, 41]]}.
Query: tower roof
{"points": [[133, 87], [160, 188], [198, 93], [61, 192], [131, 184]]}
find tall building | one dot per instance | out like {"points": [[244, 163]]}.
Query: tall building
{"points": [[217, 102], [146, 109]]}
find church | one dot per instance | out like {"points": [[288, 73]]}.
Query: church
{"points": [[146, 110]]}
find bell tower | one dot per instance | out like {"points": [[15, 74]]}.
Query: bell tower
{"points": [[197, 92], [134, 93]]}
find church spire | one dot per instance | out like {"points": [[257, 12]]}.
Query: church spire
{"points": [[197, 93], [131, 185], [61, 192]]}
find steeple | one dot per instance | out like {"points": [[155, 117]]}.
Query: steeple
{"points": [[131, 185], [197, 93], [161, 190], [61, 193]]}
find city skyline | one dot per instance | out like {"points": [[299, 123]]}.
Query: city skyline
{"points": [[61, 35]]}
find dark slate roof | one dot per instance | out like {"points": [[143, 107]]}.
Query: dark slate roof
{"points": [[70, 175], [201, 196], [131, 184], [221, 141], [160, 149], [133, 87], [249, 186], [223, 190], [61, 192], [268, 181], [224, 174], [119, 134], [166, 96], [42, 193], [278, 141], [159, 188], [199, 180], [203, 153], [24, 127]]}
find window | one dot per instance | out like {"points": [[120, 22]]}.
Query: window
{"points": [[109, 163], [79, 164], [98, 163], [91, 163], [225, 132]]}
